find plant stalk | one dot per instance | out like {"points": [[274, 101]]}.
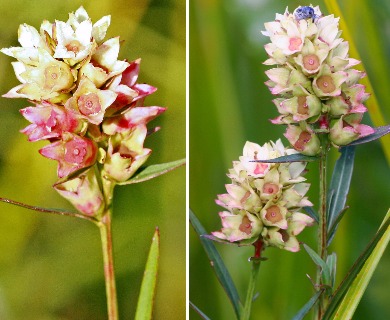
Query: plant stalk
{"points": [[322, 228], [109, 274], [252, 281]]}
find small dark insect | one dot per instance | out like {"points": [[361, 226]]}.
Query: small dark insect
{"points": [[305, 12]]}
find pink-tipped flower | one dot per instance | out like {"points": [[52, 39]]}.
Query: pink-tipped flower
{"points": [[125, 154], [348, 129], [130, 119], [72, 153], [126, 87], [90, 103], [83, 192], [48, 121], [303, 140], [240, 226]]}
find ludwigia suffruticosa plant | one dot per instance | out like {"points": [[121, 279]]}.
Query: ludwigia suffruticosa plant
{"points": [[321, 102], [89, 107]]}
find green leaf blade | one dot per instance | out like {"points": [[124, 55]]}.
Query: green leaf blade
{"points": [[319, 262], [355, 292], [198, 311], [339, 185], [148, 286], [154, 171], [354, 271], [306, 308], [217, 264], [296, 157], [379, 132]]}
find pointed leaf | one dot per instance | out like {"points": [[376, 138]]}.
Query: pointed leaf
{"points": [[355, 292], [333, 227], [59, 212], [306, 308], [198, 311], [379, 132], [355, 269], [339, 185], [217, 264], [296, 157], [311, 212], [148, 286], [153, 171], [319, 262], [331, 261]]}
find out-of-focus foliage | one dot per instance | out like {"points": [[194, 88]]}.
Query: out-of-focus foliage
{"points": [[229, 104], [51, 267]]}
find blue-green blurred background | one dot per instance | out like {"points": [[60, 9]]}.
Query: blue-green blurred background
{"points": [[51, 267], [229, 104]]}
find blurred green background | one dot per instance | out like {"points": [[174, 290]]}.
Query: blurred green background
{"points": [[229, 104], [51, 267]]}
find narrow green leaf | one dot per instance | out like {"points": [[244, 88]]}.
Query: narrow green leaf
{"points": [[331, 261], [339, 185], [311, 212], [319, 262], [379, 132], [339, 294], [154, 171], [148, 286], [306, 308], [59, 212], [296, 157], [217, 265], [355, 292], [198, 311]]}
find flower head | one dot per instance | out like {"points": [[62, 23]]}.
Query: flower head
{"points": [[263, 202], [87, 104], [314, 78]]}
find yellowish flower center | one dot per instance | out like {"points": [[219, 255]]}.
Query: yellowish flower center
{"points": [[326, 84], [57, 77], [273, 214], [311, 62], [270, 188], [303, 139], [245, 225], [73, 46], [302, 105], [89, 104]]}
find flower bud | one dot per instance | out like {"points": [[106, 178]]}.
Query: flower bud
{"points": [[83, 192], [305, 141], [72, 153], [238, 227], [348, 129]]}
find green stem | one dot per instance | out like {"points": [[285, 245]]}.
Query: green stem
{"points": [[109, 274], [251, 289], [322, 228], [256, 259]]}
